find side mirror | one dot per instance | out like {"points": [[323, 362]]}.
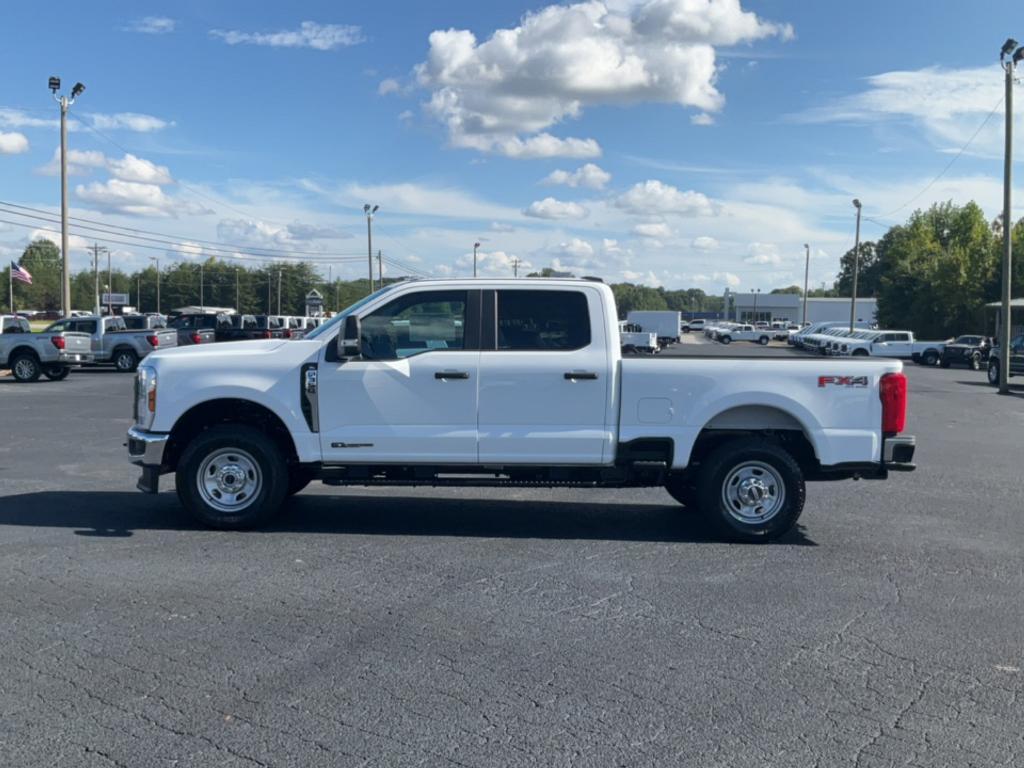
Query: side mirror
{"points": [[350, 338]]}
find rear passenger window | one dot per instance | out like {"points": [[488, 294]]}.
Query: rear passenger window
{"points": [[543, 320]]}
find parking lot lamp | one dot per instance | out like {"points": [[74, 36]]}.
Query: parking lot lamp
{"points": [[369, 238], [757, 292], [807, 272], [856, 267], [65, 102], [157, 260], [476, 247], [1009, 65]]}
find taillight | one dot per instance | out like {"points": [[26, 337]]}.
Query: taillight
{"points": [[892, 391], [287, 333], [154, 340], [58, 341], [196, 338], [266, 335]]}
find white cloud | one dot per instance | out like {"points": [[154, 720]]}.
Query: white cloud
{"points": [[257, 233], [657, 230], [135, 199], [128, 121], [563, 59], [611, 246], [728, 278], [497, 263], [539, 146], [588, 175], [80, 162], [300, 231], [13, 143], [702, 118], [406, 115], [390, 85], [653, 196], [151, 25], [320, 37], [497, 226], [704, 243], [426, 200], [576, 248], [763, 253], [550, 208], [132, 168], [74, 241], [644, 278], [16, 118]]}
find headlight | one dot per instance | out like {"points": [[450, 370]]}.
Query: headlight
{"points": [[145, 396]]}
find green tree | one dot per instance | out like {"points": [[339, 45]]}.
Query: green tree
{"points": [[869, 272], [792, 290]]}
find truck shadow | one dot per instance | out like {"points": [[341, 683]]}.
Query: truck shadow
{"points": [[119, 515]]}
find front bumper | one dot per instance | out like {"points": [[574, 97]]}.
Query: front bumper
{"points": [[146, 449], [75, 358]]}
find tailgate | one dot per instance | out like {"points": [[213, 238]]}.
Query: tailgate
{"points": [[168, 337], [77, 343]]}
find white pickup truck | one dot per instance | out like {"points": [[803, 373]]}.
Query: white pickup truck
{"points": [[900, 344], [745, 333], [507, 383]]}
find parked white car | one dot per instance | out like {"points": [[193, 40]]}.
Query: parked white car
{"points": [[506, 383], [897, 344], [745, 333]]}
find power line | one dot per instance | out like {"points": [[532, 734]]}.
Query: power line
{"points": [[949, 165], [222, 245]]}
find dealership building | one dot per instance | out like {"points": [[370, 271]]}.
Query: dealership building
{"points": [[754, 307]]}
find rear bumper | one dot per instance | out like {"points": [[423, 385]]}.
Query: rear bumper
{"points": [[75, 358], [898, 453]]}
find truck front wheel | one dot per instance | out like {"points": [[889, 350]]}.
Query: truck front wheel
{"points": [[125, 360], [57, 372], [232, 477], [25, 368], [751, 489]]}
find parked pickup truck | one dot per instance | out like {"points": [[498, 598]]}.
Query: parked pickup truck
{"points": [[30, 355], [995, 359], [900, 344], [969, 350], [112, 343], [745, 333], [507, 383], [198, 327]]}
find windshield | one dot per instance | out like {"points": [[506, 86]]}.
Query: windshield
{"points": [[973, 340], [328, 326]]}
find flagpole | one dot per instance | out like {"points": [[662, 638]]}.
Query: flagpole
{"points": [[10, 285]]}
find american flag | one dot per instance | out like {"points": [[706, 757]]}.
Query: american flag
{"points": [[20, 273]]}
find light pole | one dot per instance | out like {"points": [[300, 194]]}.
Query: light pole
{"points": [[65, 102], [856, 267], [1009, 65], [757, 292], [807, 272], [157, 260], [238, 294], [96, 249], [110, 290], [279, 291], [369, 238], [476, 246], [202, 299]]}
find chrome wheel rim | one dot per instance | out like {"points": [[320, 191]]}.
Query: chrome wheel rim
{"points": [[229, 480], [24, 369], [753, 492], [993, 374], [124, 361]]}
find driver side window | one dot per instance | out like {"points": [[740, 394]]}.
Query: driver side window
{"points": [[415, 323]]}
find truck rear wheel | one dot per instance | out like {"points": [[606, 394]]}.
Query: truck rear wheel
{"points": [[751, 489], [725, 339], [993, 372], [763, 341], [931, 357], [232, 477], [57, 372], [125, 360], [25, 368]]}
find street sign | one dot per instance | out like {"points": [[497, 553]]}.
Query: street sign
{"points": [[117, 299], [314, 303]]}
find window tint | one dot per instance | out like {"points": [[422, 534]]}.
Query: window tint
{"points": [[84, 326], [415, 323], [542, 320], [135, 322]]}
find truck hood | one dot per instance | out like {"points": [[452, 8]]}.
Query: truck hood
{"points": [[228, 350]]}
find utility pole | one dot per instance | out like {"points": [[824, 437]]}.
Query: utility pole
{"points": [[330, 282], [65, 102], [380, 270], [157, 260], [110, 286], [475, 247], [269, 283], [279, 291], [757, 292], [238, 300], [515, 267], [856, 268], [1006, 316], [138, 292], [807, 272], [202, 298], [96, 250], [369, 238]]}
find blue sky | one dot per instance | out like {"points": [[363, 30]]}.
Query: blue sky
{"points": [[671, 142]]}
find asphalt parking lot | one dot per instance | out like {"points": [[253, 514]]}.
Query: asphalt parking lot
{"points": [[476, 627]]}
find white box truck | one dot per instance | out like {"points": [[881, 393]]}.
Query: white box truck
{"points": [[665, 324]]}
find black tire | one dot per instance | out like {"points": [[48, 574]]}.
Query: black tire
{"points": [[930, 357], [944, 362], [993, 372], [975, 362], [220, 453], [682, 489], [859, 353], [57, 372], [25, 367], [763, 341], [298, 478], [726, 339], [125, 360], [765, 509]]}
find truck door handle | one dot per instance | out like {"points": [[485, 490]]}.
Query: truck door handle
{"points": [[574, 375], [451, 375]]}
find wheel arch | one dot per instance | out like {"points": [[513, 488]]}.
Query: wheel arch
{"points": [[23, 349], [219, 411], [776, 422]]}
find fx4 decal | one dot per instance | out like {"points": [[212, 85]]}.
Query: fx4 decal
{"points": [[842, 381]]}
